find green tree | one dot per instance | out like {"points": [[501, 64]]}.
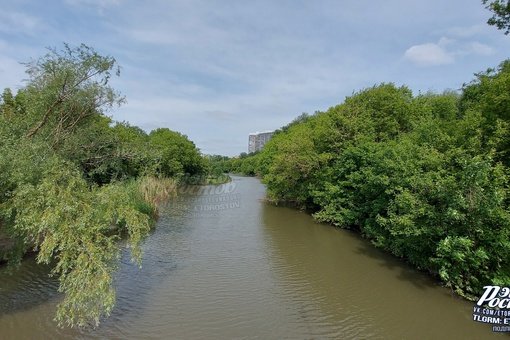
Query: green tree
{"points": [[133, 149], [302, 118], [46, 204], [294, 164], [501, 14], [72, 225], [217, 164], [488, 95], [13, 110], [177, 154], [67, 87]]}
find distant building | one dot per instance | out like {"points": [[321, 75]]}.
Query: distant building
{"points": [[257, 140]]}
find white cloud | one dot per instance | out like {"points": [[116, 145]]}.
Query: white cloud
{"points": [[430, 54], [445, 51], [476, 47]]}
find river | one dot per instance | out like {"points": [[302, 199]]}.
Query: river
{"points": [[223, 264]]}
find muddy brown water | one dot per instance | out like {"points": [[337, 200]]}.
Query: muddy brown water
{"points": [[223, 264]]}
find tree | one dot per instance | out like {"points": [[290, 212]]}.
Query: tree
{"points": [[178, 155], [302, 118], [217, 164], [133, 150], [501, 16], [46, 203], [66, 87], [73, 227], [489, 95], [67, 97], [293, 164]]}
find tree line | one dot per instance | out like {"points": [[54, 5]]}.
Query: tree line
{"points": [[73, 181], [424, 177]]}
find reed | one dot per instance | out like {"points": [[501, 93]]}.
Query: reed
{"points": [[156, 190]]}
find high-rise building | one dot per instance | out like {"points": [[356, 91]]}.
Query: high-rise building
{"points": [[257, 140]]}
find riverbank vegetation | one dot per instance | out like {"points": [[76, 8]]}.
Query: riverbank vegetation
{"points": [[424, 177], [73, 182]]}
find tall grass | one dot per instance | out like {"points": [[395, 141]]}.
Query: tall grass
{"points": [[156, 190]]}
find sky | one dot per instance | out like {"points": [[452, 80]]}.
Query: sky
{"points": [[217, 70]]}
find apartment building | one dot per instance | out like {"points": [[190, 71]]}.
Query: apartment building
{"points": [[257, 140]]}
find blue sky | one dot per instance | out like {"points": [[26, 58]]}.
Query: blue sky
{"points": [[217, 70]]}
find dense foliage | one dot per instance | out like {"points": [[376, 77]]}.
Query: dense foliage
{"points": [[424, 177], [72, 182]]}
